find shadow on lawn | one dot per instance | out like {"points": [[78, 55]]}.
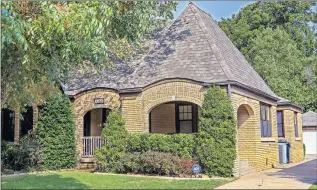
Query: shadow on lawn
{"points": [[47, 181]]}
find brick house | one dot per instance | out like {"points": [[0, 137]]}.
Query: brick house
{"points": [[161, 91]]}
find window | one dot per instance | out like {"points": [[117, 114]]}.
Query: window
{"points": [[7, 125], [280, 124], [186, 118], [295, 124], [185, 115], [265, 121]]}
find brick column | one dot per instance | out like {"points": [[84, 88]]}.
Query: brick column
{"points": [[16, 126], [35, 115]]}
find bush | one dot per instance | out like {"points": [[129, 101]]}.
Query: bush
{"points": [[56, 131], [215, 147], [160, 163], [115, 147], [26, 156], [304, 148], [179, 144]]}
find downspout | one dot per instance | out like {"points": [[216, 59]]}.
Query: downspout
{"points": [[229, 91]]}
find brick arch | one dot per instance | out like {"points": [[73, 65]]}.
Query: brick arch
{"points": [[170, 92], [246, 138], [84, 102]]}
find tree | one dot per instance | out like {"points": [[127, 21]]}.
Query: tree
{"points": [[56, 131], [297, 18], [45, 40], [116, 137], [275, 56], [296, 80], [215, 147]]}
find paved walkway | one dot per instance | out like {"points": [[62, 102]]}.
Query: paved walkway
{"points": [[296, 176]]}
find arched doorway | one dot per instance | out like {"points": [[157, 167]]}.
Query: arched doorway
{"points": [[246, 139], [94, 121], [174, 117]]}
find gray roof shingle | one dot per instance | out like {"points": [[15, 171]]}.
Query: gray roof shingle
{"points": [[193, 47], [309, 119]]}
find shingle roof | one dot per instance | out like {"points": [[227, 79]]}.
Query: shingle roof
{"points": [[193, 47], [309, 119]]}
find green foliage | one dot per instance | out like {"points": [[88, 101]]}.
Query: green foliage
{"points": [[116, 137], [279, 40], [276, 58], [45, 40], [161, 163], [56, 131], [215, 146], [26, 156], [304, 148], [179, 144]]}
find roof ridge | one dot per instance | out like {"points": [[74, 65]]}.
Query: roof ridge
{"points": [[212, 46]]}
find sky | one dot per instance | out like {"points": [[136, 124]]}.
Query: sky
{"points": [[217, 9]]}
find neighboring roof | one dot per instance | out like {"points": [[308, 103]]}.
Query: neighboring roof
{"points": [[309, 119], [193, 47]]}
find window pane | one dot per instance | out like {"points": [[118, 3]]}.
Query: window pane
{"points": [[185, 127], [185, 108], [296, 130], [181, 108], [181, 116], [295, 118], [279, 117], [185, 116], [189, 109], [267, 113], [262, 112], [269, 134], [189, 116]]}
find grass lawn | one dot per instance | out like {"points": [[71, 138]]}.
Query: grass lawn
{"points": [[313, 186], [83, 180]]}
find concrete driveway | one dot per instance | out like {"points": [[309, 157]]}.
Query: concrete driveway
{"points": [[294, 176]]}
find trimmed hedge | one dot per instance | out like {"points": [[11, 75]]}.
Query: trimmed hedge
{"points": [[216, 142], [56, 131], [178, 144]]}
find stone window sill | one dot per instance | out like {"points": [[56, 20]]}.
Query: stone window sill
{"points": [[298, 139], [267, 139]]}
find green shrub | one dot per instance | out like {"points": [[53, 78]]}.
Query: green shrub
{"points": [[56, 131], [161, 163], [115, 147], [304, 148], [26, 156], [215, 147], [179, 144]]}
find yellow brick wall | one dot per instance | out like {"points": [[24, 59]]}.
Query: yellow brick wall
{"points": [[132, 113], [163, 119]]}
